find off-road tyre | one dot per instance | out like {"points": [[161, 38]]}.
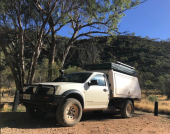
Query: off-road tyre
{"points": [[35, 112], [69, 112], [127, 110]]}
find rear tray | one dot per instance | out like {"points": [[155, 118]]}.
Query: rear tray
{"points": [[110, 65]]}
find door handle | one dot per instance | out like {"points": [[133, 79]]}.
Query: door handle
{"points": [[105, 90]]}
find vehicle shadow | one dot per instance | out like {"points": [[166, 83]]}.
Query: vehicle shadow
{"points": [[90, 116], [22, 121]]}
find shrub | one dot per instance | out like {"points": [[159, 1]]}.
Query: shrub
{"points": [[72, 69], [153, 98]]}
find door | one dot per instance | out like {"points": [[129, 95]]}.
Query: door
{"points": [[97, 96]]}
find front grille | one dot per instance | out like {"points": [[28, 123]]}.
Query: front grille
{"points": [[38, 90], [28, 90]]}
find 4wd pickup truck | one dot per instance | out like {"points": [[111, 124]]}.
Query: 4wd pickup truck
{"points": [[103, 87]]}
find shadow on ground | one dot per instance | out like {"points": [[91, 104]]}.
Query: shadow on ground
{"points": [[22, 121]]}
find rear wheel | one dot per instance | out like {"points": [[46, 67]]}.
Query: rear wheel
{"points": [[69, 112], [35, 112], [127, 110]]}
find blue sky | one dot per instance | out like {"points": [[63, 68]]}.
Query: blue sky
{"points": [[151, 19]]}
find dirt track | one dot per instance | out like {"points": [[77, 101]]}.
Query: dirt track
{"points": [[105, 123]]}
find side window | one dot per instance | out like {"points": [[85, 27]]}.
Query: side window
{"points": [[100, 79]]}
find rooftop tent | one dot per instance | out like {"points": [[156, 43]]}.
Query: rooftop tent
{"points": [[119, 67]]}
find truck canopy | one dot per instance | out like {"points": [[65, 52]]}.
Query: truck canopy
{"points": [[119, 67]]}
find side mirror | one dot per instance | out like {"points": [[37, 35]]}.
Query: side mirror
{"points": [[93, 82]]}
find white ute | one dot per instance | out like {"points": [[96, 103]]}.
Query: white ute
{"points": [[105, 86]]}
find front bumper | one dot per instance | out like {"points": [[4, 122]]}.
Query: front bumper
{"points": [[40, 99]]}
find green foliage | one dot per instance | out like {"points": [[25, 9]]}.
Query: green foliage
{"points": [[149, 85], [151, 58], [153, 98], [161, 84], [7, 78], [73, 69], [42, 71], [41, 74], [25, 23], [7, 110]]}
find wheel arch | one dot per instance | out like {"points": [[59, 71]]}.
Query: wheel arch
{"points": [[73, 93], [121, 105]]}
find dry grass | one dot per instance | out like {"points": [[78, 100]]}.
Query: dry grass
{"points": [[146, 105], [146, 91], [8, 108], [4, 89]]}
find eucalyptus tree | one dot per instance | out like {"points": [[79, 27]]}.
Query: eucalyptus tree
{"points": [[97, 18], [85, 18], [26, 23], [56, 21], [18, 19]]}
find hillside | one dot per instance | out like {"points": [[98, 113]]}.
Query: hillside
{"points": [[150, 58]]}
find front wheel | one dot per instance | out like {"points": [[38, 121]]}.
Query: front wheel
{"points": [[127, 110], [69, 112], [35, 112]]}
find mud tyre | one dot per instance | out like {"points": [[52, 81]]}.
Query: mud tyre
{"points": [[35, 112], [69, 112], [127, 110]]}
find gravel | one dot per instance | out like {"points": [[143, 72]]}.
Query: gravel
{"points": [[105, 123]]}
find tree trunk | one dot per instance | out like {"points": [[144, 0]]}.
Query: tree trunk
{"points": [[65, 55], [70, 43], [11, 65], [36, 53], [51, 62], [52, 49], [22, 63], [168, 93], [34, 63]]}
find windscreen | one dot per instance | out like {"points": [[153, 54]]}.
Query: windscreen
{"points": [[74, 77]]}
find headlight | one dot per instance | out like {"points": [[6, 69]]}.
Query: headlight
{"points": [[57, 90], [50, 91]]}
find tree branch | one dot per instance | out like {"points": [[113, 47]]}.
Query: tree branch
{"points": [[30, 40], [62, 26], [87, 34], [41, 9], [18, 15], [128, 9], [11, 16], [93, 23], [72, 22], [47, 33]]}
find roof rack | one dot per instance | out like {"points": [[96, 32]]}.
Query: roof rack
{"points": [[124, 65]]}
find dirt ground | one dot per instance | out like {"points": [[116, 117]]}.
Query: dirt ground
{"points": [[105, 123]]}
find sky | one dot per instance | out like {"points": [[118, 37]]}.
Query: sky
{"points": [[151, 19]]}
